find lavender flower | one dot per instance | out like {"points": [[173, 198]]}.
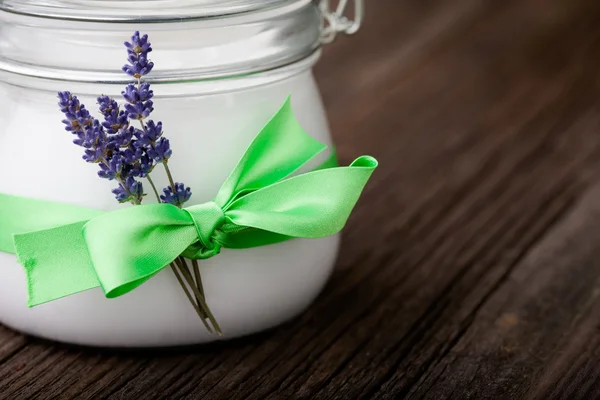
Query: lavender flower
{"points": [[77, 117], [114, 118], [161, 152], [122, 139], [139, 104], [137, 52], [132, 94], [145, 166], [129, 189], [181, 195], [95, 142], [151, 140], [151, 134], [139, 110], [132, 154]]}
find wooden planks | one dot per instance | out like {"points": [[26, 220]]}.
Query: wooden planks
{"points": [[470, 267]]}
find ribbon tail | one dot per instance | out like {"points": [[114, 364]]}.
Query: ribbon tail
{"points": [[251, 237], [22, 214], [56, 261], [312, 205]]}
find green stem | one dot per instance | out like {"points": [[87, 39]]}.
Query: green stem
{"points": [[190, 298], [202, 300], [197, 276], [171, 181], [180, 261], [153, 188]]}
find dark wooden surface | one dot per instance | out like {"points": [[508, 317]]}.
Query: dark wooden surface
{"points": [[471, 267]]}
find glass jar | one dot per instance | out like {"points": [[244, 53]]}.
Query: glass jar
{"points": [[222, 68]]}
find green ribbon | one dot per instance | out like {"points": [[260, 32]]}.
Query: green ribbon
{"points": [[67, 249]]}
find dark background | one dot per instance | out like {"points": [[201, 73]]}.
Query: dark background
{"points": [[471, 267]]}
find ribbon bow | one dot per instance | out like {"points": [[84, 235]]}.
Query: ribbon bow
{"points": [[67, 249]]}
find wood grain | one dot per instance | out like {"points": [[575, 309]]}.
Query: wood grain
{"points": [[471, 267]]}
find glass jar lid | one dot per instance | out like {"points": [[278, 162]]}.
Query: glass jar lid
{"points": [[191, 48], [136, 10], [80, 40]]}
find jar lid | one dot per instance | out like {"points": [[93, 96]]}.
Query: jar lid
{"points": [[187, 48], [137, 10]]}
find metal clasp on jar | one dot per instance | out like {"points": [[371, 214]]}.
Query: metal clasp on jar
{"points": [[336, 21]]}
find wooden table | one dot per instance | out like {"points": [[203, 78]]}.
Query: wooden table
{"points": [[471, 267]]}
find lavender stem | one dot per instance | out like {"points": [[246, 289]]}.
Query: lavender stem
{"points": [[197, 276], [202, 300], [153, 188], [171, 181], [189, 296], [182, 264]]}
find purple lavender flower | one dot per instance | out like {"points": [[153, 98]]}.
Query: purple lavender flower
{"points": [[181, 195], [114, 118], [129, 191], [132, 154], [113, 168], [95, 144], [144, 166], [139, 104], [151, 134], [132, 94], [137, 51], [92, 137], [90, 133], [160, 152], [77, 117], [151, 140], [140, 110], [122, 139], [107, 172]]}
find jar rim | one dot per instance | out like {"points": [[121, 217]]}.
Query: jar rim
{"points": [[131, 11]]}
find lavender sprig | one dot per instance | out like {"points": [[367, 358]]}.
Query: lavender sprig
{"points": [[125, 153], [157, 150], [139, 106]]}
